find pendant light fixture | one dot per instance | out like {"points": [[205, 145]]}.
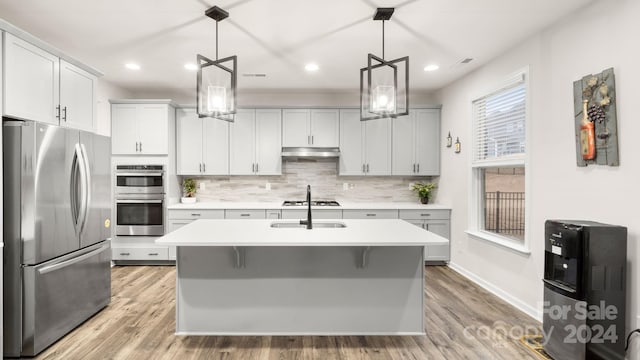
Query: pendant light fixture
{"points": [[384, 84], [217, 79]]}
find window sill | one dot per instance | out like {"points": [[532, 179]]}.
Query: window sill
{"points": [[499, 240]]}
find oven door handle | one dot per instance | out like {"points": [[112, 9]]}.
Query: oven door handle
{"points": [[140, 174], [559, 286], [139, 201]]}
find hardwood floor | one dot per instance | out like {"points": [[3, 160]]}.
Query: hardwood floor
{"points": [[463, 321]]}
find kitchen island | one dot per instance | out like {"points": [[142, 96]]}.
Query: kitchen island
{"points": [[250, 278]]}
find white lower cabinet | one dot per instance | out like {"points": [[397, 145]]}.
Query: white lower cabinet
{"points": [[140, 253], [436, 221], [315, 214], [370, 214], [244, 214], [178, 218]]}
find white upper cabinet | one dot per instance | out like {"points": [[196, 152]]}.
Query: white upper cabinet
{"points": [[377, 139], [316, 127], [242, 145], [189, 138], [215, 146], [255, 142], [77, 97], [124, 129], [416, 143], [296, 127], [140, 128], [41, 87], [351, 143], [269, 141], [428, 141], [31, 83], [365, 146], [202, 146], [404, 147]]}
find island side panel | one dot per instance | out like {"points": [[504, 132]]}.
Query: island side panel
{"points": [[300, 291]]}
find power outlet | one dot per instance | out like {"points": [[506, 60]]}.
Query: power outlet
{"points": [[202, 187], [411, 186], [267, 186], [345, 186]]}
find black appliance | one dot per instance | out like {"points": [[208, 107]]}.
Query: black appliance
{"points": [[584, 290]]}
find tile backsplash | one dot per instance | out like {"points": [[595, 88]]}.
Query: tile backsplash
{"points": [[321, 174]]}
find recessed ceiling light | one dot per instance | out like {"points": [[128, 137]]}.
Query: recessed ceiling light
{"points": [[312, 67], [432, 67], [191, 66], [132, 66]]}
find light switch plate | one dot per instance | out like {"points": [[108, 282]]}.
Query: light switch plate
{"points": [[267, 186], [202, 187], [410, 186], [345, 186]]}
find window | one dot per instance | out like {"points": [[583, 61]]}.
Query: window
{"points": [[499, 164]]}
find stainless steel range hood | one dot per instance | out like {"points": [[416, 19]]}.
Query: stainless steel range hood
{"points": [[310, 152]]}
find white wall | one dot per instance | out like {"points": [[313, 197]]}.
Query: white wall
{"points": [[597, 37], [106, 91]]}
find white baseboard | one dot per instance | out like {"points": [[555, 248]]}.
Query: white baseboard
{"points": [[512, 300]]}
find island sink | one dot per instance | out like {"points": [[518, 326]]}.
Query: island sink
{"points": [[297, 225]]}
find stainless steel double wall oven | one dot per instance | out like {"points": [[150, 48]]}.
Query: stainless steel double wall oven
{"points": [[140, 197]]}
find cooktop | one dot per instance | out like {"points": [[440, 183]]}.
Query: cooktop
{"points": [[313, 203]]}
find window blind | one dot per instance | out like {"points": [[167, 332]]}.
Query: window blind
{"points": [[499, 123]]}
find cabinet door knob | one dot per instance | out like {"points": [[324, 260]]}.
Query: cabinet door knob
{"points": [[371, 214], [257, 167], [64, 113], [153, 254], [137, 146], [125, 254], [367, 167], [58, 110], [140, 146], [204, 167], [418, 168], [245, 214], [414, 167], [425, 214], [311, 139], [363, 168], [200, 167], [195, 214]]}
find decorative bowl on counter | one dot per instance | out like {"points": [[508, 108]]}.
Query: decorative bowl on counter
{"points": [[188, 200]]}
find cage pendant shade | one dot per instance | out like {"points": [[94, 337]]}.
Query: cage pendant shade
{"points": [[216, 80], [384, 84]]}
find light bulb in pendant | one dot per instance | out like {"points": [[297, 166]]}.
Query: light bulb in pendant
{"points": [[216, 99], [384, 99]]}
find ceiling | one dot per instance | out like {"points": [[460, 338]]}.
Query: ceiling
{"points": [[278, 37]]}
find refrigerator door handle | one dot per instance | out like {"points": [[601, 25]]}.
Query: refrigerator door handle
{"points": [[87, 185], [559, 286], [73, 183], [83, 189], [77, 259]]}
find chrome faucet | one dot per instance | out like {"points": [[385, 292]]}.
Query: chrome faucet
{"points": [[308, 221]]}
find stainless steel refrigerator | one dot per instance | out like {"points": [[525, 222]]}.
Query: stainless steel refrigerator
{"points": [[56, 225]]}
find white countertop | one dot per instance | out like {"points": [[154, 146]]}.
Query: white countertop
{"points": [[220, 205], [382, 232]]}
